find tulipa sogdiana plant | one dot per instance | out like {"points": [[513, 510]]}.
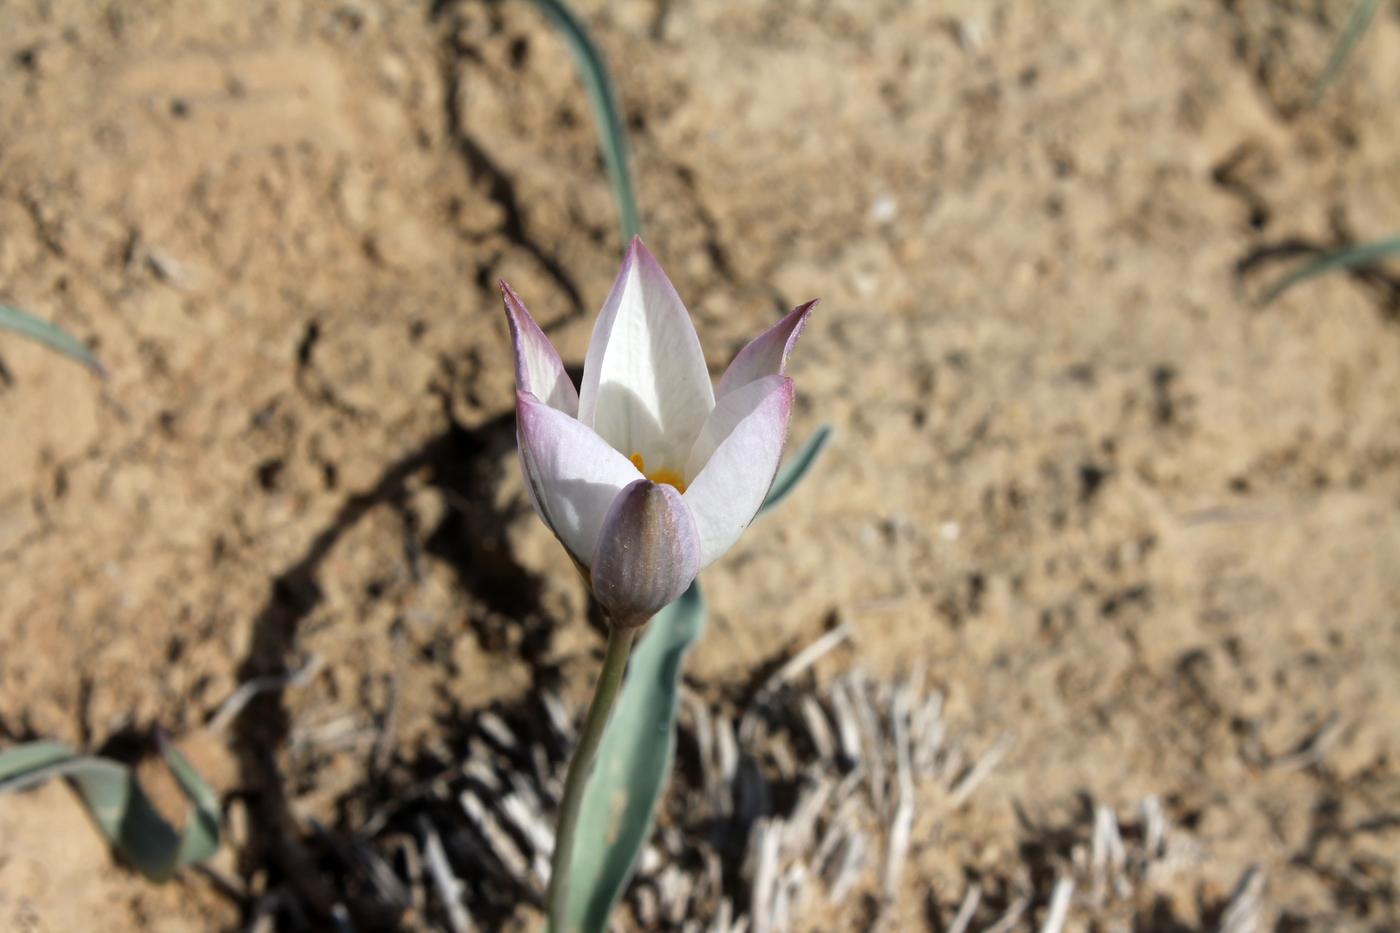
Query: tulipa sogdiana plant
{"points": [[647, 473]]}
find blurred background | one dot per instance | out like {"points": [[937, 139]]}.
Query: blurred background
{"points": [[1138, 528]]}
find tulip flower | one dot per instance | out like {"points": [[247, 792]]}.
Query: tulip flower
{"points": [[648, 472]]}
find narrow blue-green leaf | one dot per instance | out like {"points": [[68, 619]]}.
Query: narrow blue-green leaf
{"points": [[1346, 258], [634, 760], [612, 135], [27, 325], [1355, 27], [201, 837], [119, 807], [796, 469], [24, 766]]}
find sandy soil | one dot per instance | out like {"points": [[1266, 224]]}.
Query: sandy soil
{"points": [[1116, 509]]}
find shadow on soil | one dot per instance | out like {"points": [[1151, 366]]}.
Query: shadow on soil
{"points": [[465, 465]]}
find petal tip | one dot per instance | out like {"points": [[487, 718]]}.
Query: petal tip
{"points": [[538, 367], [515, 310], [798, 316], [647, 261], [636, 253], [768, 353]]}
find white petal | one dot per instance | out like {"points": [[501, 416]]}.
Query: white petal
{"points": [[538, 369], [768, 354], [645, 385], [573, 474], [734, 461]]}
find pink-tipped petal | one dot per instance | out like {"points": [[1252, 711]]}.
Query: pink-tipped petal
{"points": [[538, 369], [572, 473], [646, 388], [768, 354], [734, 460], [648, 552]]}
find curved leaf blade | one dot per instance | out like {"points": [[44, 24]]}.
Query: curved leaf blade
{"points": [[1358, 20], [612, 135], [200, 839], [32, 763], [796, 469], [634, 761], [1348, 257], [55, 338], [119, 806]]}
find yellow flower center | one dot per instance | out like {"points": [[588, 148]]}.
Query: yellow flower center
{"points": [[663, 475]]}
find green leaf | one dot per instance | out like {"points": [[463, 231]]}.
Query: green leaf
{"points": [[201, 837], [1345, 258], [1355, 27], [634, 760], [612, 135], [28, 325], [119, 807], [32, 763], [796, 470]]}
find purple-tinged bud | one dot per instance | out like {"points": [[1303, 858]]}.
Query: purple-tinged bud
{"points": [[648, 553]]}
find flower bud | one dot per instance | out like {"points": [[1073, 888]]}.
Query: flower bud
{"points": [[648, 552]]}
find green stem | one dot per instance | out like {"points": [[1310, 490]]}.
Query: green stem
{"points": [[604, 697]]}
